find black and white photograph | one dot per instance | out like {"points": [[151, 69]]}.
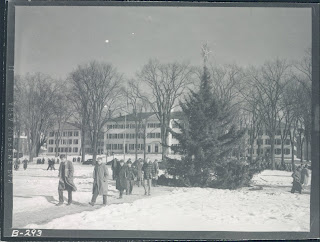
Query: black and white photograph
{"points": [[141, 117]]}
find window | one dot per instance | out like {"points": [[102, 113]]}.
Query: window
{"points": [[278, 141], [158, 135], [132, 136], [120, 136], [277, 151], [156, 149], [287, 151], [51, 134], [76, 133], [108, 146], [110, 136], [259, 141], [109, 126], [70, 142], [127, 136], [70, 133], [131, 146], [287, 142], [278, 132], [51, 141], [51, 149], [75, 141], [120, 146], [268, 142], [114, 146], [75, 149], [55, 149]]}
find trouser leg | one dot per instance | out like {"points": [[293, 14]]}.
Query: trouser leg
{"points": [[149, 185], [128, 187], [145, 186], [104, 199], [69, 196], [121, 193], [94, 194], [60, 192]]}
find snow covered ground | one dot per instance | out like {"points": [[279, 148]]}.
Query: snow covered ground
{"points": [[267, 205]]}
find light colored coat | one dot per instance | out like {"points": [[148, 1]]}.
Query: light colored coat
{"points": [[100, 176]]}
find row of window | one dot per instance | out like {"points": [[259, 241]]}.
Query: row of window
{"points": [[64, 141], [267, 151], [133, 136], [264, 132], [64, 149], [268, 142], [120, 146], [64, 133], [133, 126]]}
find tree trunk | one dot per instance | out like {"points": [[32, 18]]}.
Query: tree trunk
{"points": [[94, 147], [292, 157], [144, 141], [272, 139], [83, 153], [136, 137], [282, 155], [307, 146]]}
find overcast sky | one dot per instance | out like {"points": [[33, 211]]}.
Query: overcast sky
{"points": [[54, 40]]}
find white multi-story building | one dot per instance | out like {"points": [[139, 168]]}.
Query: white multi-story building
{"points": [[121, 133]]}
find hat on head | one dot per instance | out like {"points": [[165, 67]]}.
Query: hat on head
{"points": [[129, 162], [62, 156]]}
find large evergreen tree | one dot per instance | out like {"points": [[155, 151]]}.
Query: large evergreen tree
{"points": [[206, 138]]}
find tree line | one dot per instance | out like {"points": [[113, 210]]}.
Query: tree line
{"points": [[273, 96]]}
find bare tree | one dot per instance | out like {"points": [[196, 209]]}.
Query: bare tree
{"points": [[18, 115], [165, 84], [39, 95], [269, 82], [304, 77], [97, 88]]}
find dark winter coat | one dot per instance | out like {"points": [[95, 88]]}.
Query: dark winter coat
{"points": [[121, 182], [148, 169], [304, 174], [66, 177], [25, 164], [100, 176], [156, 168], [138, 167], [297, 176], [129, 173]]}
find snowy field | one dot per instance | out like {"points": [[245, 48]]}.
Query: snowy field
{"points": [[267, 205]]}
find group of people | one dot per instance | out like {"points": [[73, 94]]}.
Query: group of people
{"points": [[18, 162], [300, 179], [144, 172], [51, 163], [124, 174], [74, 159]]}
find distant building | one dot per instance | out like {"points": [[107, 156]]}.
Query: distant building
{"points": [[120, 133], [69, 141]]}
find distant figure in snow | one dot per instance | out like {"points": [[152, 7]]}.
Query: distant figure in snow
{"points": [[304, 176], [114, 167], [25, 164], [66, 171], [139, 173], [49, 164], [78, 159], [156, 173], [43, 160], [100, 182], [121, 182], [16, 164], [129, 177], [148, 173], [58, 161], [296, 184]]}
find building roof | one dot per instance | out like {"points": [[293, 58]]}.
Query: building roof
{"points": [[131, 117], [66, 126]]}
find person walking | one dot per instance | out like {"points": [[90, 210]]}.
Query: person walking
{"points": [[49, 164], [66, 171], [304, 176], [129, 177], [100, 182], [52, 164], [121, 182], [148, 173], [138, 168], [43, 160], [114, 168], [156, 173], [25, 164], [296, 184]]}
